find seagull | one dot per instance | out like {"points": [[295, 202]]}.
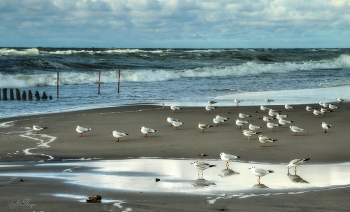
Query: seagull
{"points": [[147, 131], [209, 108], [272, 126], [37, 128], [273, 112], [269, 100], [340, 100], [279, 116], [284, 122], [295, 163], [332, 107], [202, 166], [170, 121], [237, 101], [260, 172], [309, 109], [203, 126], [263, 108], [81, 130], [324, 110], [253, 127], [326, 126], [227, 158], [118, 135], [288, 107], [317, 113], [240, 123], [265, 139], [296, 129], [325, 104], [221, 118], [217, 121], [267, 119], [243, 116], [212, 102], [174, 108], [177, 124], [249, 133]]}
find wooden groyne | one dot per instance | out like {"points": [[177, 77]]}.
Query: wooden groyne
{"points": [[4, 93]]}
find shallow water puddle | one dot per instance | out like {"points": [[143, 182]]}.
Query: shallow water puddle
{"points": [[179, 176]]}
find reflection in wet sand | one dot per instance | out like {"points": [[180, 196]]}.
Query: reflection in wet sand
{"points": [[296, 178], [227, 172], [259, 185]]}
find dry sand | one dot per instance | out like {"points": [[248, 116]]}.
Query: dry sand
{"points": [[186, 142]]}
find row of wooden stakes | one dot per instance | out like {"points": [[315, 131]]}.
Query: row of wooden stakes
{"points": [[24, 95]]}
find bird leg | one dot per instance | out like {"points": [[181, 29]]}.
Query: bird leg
{"points": [[295, 134], [146, 136], [81, 135], [227, 165], [325, 131], [176, 128], [118, 140]]}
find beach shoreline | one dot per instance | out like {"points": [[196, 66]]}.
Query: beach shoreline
{"points": [[61, 141]]}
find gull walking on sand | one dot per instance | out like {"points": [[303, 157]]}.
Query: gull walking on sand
{"points": [[118, 135], [265, 139], [326, 127], [209, 108], [296, 129], [177, 124], [170, 121], [340, 100], [250, 133], [175, 108], [288, 107], [146, 131], [203, 126], [272, 126], [37, 128], [243, 116], [259, 172], [200, 166], [227, 158], [296, 162], [240, 123], [81, 130]]}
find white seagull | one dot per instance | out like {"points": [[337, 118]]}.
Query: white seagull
{"points": [[288, 107], [240, 123], [332, 107], [260, 172], [317, 113], [296, 129], [296, 162], [209, 108], [211, 102], [81, 130], [227, 158], [200, 166], [170, 121], [267, 119], [273, 112], [326, 126], [265, 139], [221, 118], [279, 116], [309, 109], [243, 116], [249, 133], [263, 108], [218, 121], [147, 131], [118, 135], [269, 100], [284, 122], [174, 108], [37, 128], [253, 127], [237, 101], [340, 100], [203, 126], [272, 126], [177, 124]]}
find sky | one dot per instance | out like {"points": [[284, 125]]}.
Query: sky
{"points": [[175, 23]]}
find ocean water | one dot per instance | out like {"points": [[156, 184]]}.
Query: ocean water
{"points": [[188, 77]]}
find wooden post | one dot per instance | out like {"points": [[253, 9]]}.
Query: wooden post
{"points": [[119, 81], [30, 95], [18, 94], [58, 82], [99, 81], [4, 92], [37, 95], [24, 95], [12, 97]]}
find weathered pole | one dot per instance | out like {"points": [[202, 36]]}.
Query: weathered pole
{"points": [[119, 81], [99, 81], [58, 82], [18, 94], [4, 92], [12, 97]]}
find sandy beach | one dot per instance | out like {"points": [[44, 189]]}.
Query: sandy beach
{"points": [[187, 142]]}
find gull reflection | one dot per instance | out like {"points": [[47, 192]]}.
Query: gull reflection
{"points": [[227, 172], [202, 184], [260, 186], [200, 166], [296, 178]]}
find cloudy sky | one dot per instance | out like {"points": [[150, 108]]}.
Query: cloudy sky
{"points": [[175, 23]]}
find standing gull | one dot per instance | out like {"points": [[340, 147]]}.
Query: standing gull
{"points": [[284, 122], [340, 100], [209, 108], [177, 124], [249, 133], [326, 127], [295, 163], [118, 135], [272, 126], [243, 116], [200, 166], [37, 128], [253, 127], [268, 101], [265, 139], [174, 108], [240, 123], [288, 107], [203, 126], [263, 108], [81, 130], [237, 101], [227, 158], [296, 129], [260, 172], [170, 121], [147, 131]]}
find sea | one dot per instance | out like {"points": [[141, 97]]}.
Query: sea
{"points": [[86, 78]]}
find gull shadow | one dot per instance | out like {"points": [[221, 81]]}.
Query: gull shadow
{"points": [[227, 172], [259, 185]]}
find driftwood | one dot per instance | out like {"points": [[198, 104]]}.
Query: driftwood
{"points": [[94, 199]]}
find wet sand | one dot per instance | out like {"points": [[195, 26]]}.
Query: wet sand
{"points": [[186, 142]]}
